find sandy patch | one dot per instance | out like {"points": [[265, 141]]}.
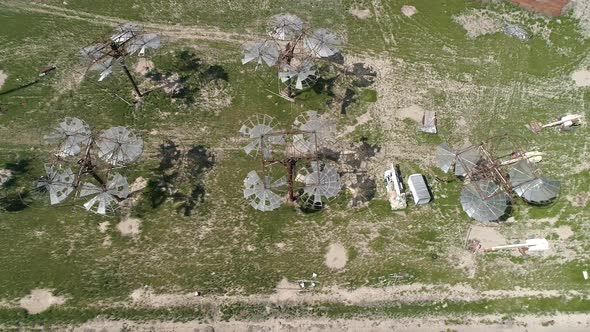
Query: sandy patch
{"points": [[488, 235], [143, 66], [3, 78], [103, 226], [139, 184], [413, 112], [581, 11], [129, 227], [477, 24], [564, 232], [463, 259], [336, 257], [360, 13], [40, 300], [409, 10], [581, 77], [426, 323], [580, 199]]}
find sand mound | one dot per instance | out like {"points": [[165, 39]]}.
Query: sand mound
{"points": [[40, 300], [581, 77], [360, 13], [129, 227], [409, 10], [336, 257], [3, 78]]}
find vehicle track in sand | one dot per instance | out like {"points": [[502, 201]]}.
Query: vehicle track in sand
{"points": [[175, 31]]}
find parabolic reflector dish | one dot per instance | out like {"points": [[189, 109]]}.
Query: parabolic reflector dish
{"points": [[484, 200], [300, 77], [260, 192], [320, 182], [533, 189], [284, 26], [71, 134], [322, 43], [266, 51], [58, 183], [119, 146], [445, 157], [116, 187]]}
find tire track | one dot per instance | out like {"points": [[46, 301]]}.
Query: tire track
{"points": [[171, 31]]}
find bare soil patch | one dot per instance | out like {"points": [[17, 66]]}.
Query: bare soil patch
{"points": [[547, 7], [143, 66], [478, 24], [40, 300], [3, 77], [488, 235], [413, 112], [361, 13], [487, 323], [129, 227], [409, 10], [580, 199], [581, 77], [564, 232], [336, 257]]}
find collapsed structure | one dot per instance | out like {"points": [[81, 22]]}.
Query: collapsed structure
{"points": [[491, 177], [107, 55]]}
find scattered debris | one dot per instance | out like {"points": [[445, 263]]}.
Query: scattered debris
{"points": [[516, 31], [564, 122], [395, 188], [585, 274], [429, 122], [529, 245], [532, 156], [419, 189]]}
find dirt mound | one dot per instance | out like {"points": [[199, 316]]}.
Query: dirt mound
{"points": [[40, 300], [129, 227], [336, 257]]}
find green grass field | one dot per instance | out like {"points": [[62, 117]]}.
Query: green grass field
{"points": [[480, 87]]}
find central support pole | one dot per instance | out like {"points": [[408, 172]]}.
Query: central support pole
{"points": [[132, 80], [290, 172]]}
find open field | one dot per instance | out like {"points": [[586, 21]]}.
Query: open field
{"points": [[141, 266]]}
